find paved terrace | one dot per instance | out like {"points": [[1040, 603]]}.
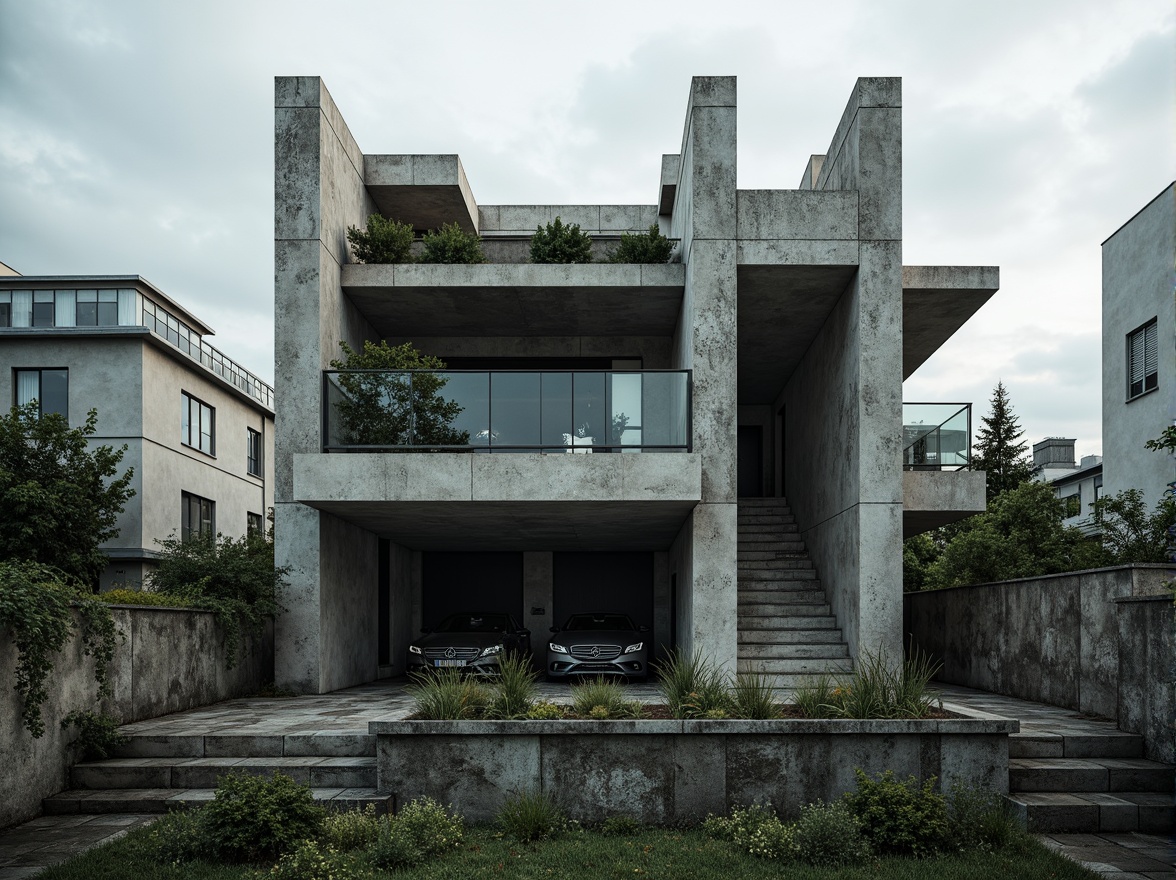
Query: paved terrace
{"points": [[28, 848]]}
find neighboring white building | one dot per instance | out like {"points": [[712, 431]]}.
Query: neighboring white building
{"points": [[198, 428], [1078, 484], [1139, 362]]}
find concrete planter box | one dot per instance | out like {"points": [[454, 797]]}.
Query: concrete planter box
{"points": [[667, 771]]}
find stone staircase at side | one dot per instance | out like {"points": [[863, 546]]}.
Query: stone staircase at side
{"points": [[1089, 783], [156, 774], [786, 628]]}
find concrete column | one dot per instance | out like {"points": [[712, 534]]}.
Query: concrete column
{"points": [[539, 592]]}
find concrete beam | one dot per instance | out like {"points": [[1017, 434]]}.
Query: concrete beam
{"points": [[935, 498], [592, 219], [936, 302], [426, 191], [671, 170]]}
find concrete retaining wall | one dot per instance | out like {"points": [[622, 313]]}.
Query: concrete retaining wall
{"points": [[1147, 672], [668, 771], [172, 659], [1060, 639]]}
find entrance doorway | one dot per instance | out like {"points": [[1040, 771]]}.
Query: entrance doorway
{"points": [[751, 461]]}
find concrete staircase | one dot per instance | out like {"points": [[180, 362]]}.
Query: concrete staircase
{"points": [[1089, 783], [786, 629], [155, 774]]}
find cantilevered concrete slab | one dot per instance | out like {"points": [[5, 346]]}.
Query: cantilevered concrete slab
{"points": [[671, 170], [425, 191], [936, 302], [931, 499], [517, 299]]}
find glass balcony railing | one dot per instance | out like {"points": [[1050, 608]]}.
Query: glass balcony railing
{"points": [[506, 411], [936, 436]]}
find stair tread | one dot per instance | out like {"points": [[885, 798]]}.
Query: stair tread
{"points": [[1088, 764]]}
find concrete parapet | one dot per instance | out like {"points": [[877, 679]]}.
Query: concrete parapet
{"points": [[935, 498]]}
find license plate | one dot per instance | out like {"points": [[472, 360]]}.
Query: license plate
{"points": [[449, 663]]}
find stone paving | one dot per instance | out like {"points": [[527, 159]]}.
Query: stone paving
{"points": [[27, 848]]}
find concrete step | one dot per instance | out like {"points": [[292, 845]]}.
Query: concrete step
{"points": [[299, 745], [747, 530], [773, 562], [771, 543], [1094, 812], [189, 773], [764, 519], [763, 502], [1112, 744], [814, 651], [163, 800], [772, 574], [797, 665], [1077, 775], [751, 618], [780, 597], [819, 632]]}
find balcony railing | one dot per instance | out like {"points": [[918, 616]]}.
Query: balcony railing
{"points": [[936, 436], [580, 411]]}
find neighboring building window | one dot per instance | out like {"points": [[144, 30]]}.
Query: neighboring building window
{"points": [[1142, 360], [197, 424], [5, 308], [1072, 505], [197, 516], [43, 315], [253, 523], [97, 308], [50, 388], [253, 453]]}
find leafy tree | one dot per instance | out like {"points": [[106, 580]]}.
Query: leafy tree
{"points": [[1020, 535], [918, 554], [556, 243], [394, 407], [643, 247], [59, 497], [1129, 532], [452, 244], [997, 450], [383, 241]]}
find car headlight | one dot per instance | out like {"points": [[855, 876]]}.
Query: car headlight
{"points": [[559, 649], [493, 649], [636, 647], [413, 649]]}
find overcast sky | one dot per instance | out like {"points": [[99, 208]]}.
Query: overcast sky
{"points": [[137, 138]]}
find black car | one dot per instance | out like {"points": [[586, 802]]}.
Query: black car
{"points": [[471, 640], [599, 643]]}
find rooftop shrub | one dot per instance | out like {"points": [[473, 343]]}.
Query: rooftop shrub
{"points": [[642, 247], [452, 244], [382, 241], [557, 243]]}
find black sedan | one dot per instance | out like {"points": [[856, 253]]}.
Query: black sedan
{"points": [[473, 641], [598, 644]]}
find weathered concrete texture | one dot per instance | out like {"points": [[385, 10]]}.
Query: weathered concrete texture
{"points": [[171, 660], [791, 214], [348, 578], [936, 302], [1053, 639], [426, 191], [1147, 673], [934, 498], [539, 592], [592, 219], [403, 613], [669, 771], [671, 170], [714, 586]]}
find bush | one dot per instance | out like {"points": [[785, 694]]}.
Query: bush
{"points": [[178, 837], [234, 577], [98, 733], [251, 818], [384, 241], [642, 247], [602, 699], [313, 861], [452, 244], [447, 695], [980, 819], [899, 818], [620, 826], [349, 830], [556, 243], [515, 689], [753, 696], [421, 830], [531, 816], [37, 604], [694, 687], [756, 829], [545, 710], [142, 597], [829, 835]]}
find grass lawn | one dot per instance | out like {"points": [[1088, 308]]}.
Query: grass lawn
{"points": [[655, 853]]}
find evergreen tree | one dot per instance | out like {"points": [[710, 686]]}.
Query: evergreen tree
{"points": [[997, 451]]}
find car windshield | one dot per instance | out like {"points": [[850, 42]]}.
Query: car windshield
{"points": [[472, 623], [587, 622]]}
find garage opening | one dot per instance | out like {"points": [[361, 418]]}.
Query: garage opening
{"points": [[586, 582], [454, 582]]}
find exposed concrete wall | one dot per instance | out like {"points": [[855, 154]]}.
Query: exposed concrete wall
{"points": [[1137, 286], [1147, 672], [843, 403], [171, 660], [404, 589], [1055, 639], [348, 627], [539, 592], [318, 192]]}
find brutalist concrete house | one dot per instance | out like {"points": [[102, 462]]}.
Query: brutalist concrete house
{"points": [[199, 428], [1138, 329], [716, 446]]}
